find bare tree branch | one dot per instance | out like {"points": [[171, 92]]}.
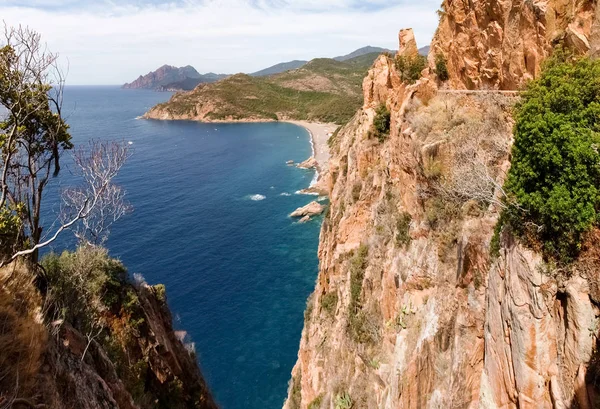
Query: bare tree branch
{"points": [[97, 203]]}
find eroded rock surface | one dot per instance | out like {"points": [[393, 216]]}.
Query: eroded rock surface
{"points": [[502, 43], [413, 308]]}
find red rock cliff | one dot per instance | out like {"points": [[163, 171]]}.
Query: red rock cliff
{"points": [[501, 43], [412, 308]]}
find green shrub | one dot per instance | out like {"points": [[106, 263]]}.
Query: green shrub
{"points": [[295, 399], [555, 172], [361, 325], [403, 226], [410, 67], [343, 401], [441, 67], [381, 124], [329, 302], [10, 227], [161, 292], [358, 265], [84, 284]]}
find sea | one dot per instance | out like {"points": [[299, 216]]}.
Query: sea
{"points": [[211, 222]]}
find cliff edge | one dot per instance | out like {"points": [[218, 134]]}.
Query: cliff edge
{"points": [[420, 301], [80, 335]]}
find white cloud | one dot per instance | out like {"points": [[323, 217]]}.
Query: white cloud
{"points": [[110, 43]]}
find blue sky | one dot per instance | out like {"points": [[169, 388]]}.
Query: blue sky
{"points": [[113, 41]]}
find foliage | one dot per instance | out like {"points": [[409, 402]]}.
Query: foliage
{"points": [[441, 67], [343, 401], [361, 325], [84, 284], [329, 302], [32, 133], [295, 399], [322, 90], [555, 163], [381, 124], [410, 67], [10, 229], [161, 292], [403, 226], [358, 265]]}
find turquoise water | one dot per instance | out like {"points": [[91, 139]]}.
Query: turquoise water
{"points": [[237, 270]]}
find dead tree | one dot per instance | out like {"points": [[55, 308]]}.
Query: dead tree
{"points": [[97, 202]]}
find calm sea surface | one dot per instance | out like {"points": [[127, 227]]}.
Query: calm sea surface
{"points": [[211, 223]]}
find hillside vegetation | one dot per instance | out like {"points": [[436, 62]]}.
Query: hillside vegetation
{"points": [[323, 90], [553, 181]]}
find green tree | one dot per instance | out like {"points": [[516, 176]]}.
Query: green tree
{"points": [[32, 134], [381, 123], [555, 171], [410, 67], [441, 67]]}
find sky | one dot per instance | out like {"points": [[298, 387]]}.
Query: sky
{"points": [[114, 41]]}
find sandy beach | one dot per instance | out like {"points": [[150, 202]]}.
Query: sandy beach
{"points": [[319, 134]]}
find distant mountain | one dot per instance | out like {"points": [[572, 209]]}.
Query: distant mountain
{"points": [[424, 51], [189, 84], [171, 77], [363, 51], [279, 68], [323, 90], [292, 65]]}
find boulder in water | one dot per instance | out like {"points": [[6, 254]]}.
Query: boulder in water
{"points": [[311, 209]]}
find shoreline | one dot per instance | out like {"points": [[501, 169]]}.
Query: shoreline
{"points": [[318, 136]]}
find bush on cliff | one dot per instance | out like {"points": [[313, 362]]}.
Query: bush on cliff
{"points": [[381, 123], [441, 67], [410, 67], [555, 174]]}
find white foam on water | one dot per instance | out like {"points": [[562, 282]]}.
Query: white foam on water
{"points": [[285, 194], [257, 197]]}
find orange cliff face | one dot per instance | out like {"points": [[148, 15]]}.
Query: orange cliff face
{"points": [[500, 44], [411, 309]]}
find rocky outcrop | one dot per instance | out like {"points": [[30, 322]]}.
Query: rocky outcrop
{"points": [[310, 163], [311, 209], [163, 76], [414, 307], [408, 44], [501, 43], [132, 359], [169, 78]]}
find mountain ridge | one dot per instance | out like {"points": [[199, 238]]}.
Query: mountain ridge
{"points": [[323, 89]]}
